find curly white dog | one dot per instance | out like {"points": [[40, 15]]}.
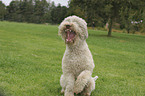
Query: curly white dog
{"points": [[77, 62]]}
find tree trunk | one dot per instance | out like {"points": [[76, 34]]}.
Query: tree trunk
{"points": [[110, 27], [128, 28], [128, 31]]}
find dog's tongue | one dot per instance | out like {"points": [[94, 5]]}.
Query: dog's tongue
{"points": [[70, 36]]}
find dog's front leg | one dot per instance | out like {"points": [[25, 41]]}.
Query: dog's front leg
{"points": [[69, 91], [82, 81]]}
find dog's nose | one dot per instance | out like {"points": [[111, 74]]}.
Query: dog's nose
{"points": [[67, 26]]}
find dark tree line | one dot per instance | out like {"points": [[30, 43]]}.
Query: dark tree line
{"points": [[129, 14], [33, 11]]}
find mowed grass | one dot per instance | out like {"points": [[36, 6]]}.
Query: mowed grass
{"points": [[31, 54]]}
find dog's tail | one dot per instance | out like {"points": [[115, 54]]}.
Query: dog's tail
{"points": [[95, 78]]}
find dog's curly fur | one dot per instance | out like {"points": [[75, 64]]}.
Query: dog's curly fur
{"points": [[77, 62]]}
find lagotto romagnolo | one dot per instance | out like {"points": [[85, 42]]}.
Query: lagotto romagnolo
{"points": [[77, 62]]}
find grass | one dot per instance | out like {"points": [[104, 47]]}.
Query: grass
{"points": [[30, 61]]}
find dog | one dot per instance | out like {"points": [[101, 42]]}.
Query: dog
{"points": [[77, 62]]}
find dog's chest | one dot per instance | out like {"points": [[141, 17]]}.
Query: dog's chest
{"points": [[76, 62]]}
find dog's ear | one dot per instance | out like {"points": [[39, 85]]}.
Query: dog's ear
{"points": [[84, 35], [84, 31], [83, 26], [60, 30]]}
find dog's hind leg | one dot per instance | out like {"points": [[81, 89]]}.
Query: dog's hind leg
{"points": [[82, 81], [89, 87]]}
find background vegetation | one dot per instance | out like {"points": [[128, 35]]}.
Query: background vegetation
{"points": [[30, 61], [127, 15]]}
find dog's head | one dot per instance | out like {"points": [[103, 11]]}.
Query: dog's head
{"points": [[73, 29]]}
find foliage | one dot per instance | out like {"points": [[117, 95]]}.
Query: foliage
{"points": [[35, 11], [111, 11], [62, 11], [99, 13], [31, 54], [87, 9], [2, 11], [132, 14]]}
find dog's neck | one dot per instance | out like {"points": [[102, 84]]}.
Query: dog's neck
{"points": [[76, 47]]}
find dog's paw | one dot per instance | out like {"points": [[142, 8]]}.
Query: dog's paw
{"points": [[77, 90], [86, 94], [69, 94]]}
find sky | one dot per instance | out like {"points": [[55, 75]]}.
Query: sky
{"points": [[62, 2]]}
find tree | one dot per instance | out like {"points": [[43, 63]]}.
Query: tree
{"points": [[76, 9], [58, 14], [90, 10], [112, 10], [2, 10], [12, 11], [26, 10], [132, 11], [40, 9], [102, 11]]}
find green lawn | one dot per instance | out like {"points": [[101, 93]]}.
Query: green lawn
{"points": [[30, 61]]}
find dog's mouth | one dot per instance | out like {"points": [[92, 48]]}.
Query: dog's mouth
{"points": [[70, 35]]}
